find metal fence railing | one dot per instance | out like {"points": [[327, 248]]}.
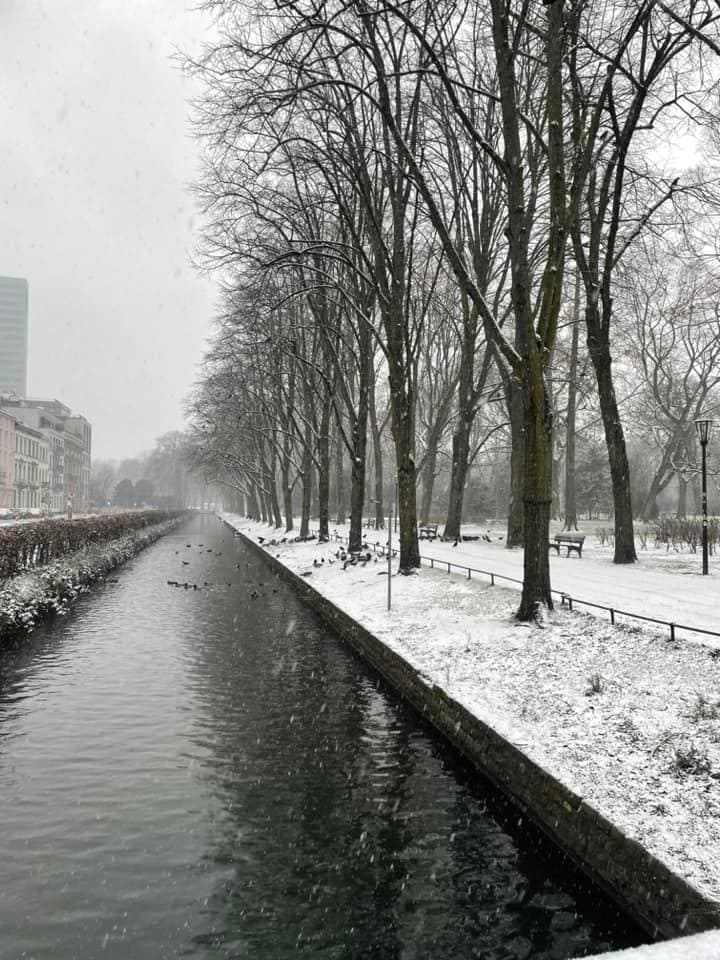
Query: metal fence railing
{"points": [[565, 598]]}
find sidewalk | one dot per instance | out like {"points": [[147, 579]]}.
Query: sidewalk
{"points": [[625, 718]]}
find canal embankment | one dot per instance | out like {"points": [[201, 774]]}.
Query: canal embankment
{"points": [[46, 565], [606, 737]]}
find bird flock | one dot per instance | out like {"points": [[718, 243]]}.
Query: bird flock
{"points": [[189, 585]]}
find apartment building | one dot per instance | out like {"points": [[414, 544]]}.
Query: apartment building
{"points": [[80, 430], [7, 460], [32, 468], [69, 441]]}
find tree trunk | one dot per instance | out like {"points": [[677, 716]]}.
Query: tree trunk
{"points": [[324, 472], [357, 480], [662, 476], [535, 338], [557, 470], [515, 536], [537, 494], [428, 475], [286, 465], [682, 498], [359, 439], [307, 464], [615, 439], [257, 503], [458, 478], [306, 495], [340, 492], [378, 460], [271, 487], [650, 509], [403, 430], [571, 521]]}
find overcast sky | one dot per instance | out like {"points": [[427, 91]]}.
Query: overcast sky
{"points": [[95, 159]]}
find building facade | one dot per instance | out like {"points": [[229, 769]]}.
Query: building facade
{"points": [[7, 460], [56, 439], [13, 335], [32, 468], [80, 430], [68, 439]]}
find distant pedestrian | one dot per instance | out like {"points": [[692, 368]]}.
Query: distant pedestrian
{"points": [[69, 509]]}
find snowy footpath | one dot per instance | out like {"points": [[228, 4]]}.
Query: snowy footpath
{"points": [[622, 715]]}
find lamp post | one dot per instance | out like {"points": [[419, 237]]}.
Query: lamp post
{"points": [[703, 428], [389, 558], [394, 503]]}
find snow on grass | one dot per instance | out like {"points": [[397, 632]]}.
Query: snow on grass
{"points": [[702, 946], [621, 715]]}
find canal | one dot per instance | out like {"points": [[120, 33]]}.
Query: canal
{"points": [[204, 771]]}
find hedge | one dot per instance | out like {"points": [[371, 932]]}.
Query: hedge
{"points": [[26, 599], [24, 546]]}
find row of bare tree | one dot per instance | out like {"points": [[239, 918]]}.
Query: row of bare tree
{"points": [[456, 200]]}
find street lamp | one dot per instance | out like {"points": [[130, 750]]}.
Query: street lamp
{"points": [[389, 558], [393, 503], [704, 428]]}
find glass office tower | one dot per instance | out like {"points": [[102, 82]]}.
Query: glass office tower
{"points": [[13, 335]]}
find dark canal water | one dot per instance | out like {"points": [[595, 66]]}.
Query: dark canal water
{"points": [[209, 773]]}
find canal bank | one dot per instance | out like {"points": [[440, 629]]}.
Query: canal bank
{"points": [[192, 765], [662, 898]]}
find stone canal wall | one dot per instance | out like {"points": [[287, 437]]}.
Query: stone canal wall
{"points": [[664, 904]]}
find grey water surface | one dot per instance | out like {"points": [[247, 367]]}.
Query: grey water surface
{"points": [[209, 773]]}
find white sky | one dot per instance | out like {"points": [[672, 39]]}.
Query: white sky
{"points": [[95, 158]]}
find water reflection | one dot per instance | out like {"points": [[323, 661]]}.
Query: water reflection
{"points": [[208, 773]]}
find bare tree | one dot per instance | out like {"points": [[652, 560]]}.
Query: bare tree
{"points": [[630, 71], [676, 349]]}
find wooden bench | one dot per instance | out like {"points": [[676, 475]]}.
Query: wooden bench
{"points": [[572, 541], [427, 531]]}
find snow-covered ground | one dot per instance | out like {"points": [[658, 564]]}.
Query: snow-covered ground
{"points": [[622, 715], [664, 584], [703, 946]]}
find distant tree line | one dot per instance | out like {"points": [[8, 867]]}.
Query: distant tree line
{"points": [[161, 478], [455, 242]]}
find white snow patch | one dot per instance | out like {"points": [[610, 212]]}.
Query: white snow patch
{"points": [[703, 946]]}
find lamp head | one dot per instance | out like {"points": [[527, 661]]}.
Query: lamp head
{"points": [[704, 428]]}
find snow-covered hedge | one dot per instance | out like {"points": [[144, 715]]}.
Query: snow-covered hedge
{"points": [[32, 594], [24, 546]]}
